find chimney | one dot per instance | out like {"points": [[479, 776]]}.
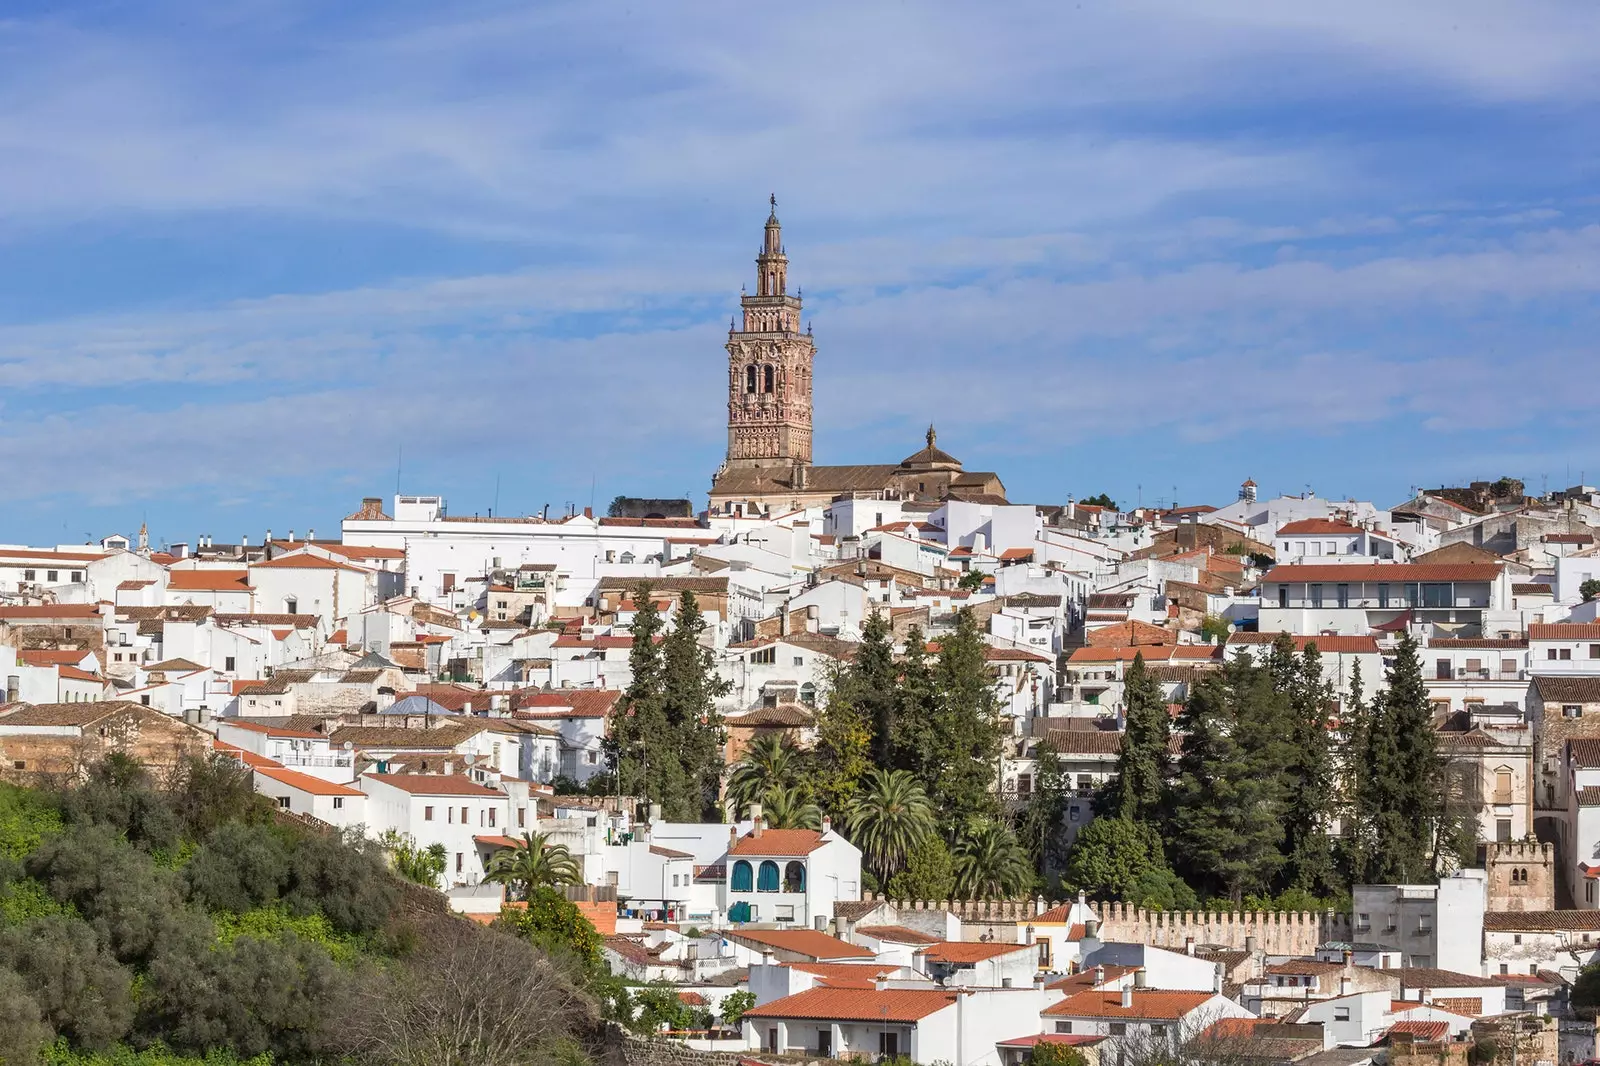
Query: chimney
{"points": [[1251, 944], [655, 812], [1127, 997], [1345, 984], [1188, 945], [1082, 900], [291, 536], [766, 956], [827, 825], [733, 836], [755, 820], [588, 512], [879, 983], [268, 538], [1091, 929], [1140, 978], [244, 541], [311, 535], [1216, 979], [1349, 959], [1099, 976], [1038, 982], [1027, 934]]}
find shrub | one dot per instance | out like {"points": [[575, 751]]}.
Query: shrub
{"points": [[343, 879], [240, 867], [79, 987], [24, 1034]]}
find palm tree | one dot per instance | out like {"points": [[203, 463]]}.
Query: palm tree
{"points": [[423, 866], [888, 819], [533, 863], [989, 863], [769, 763], [790, 808]]}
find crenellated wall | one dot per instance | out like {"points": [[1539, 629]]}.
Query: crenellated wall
{"points": [[1275, 932]]}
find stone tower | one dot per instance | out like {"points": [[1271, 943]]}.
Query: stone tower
{"points": [[769, 369]]}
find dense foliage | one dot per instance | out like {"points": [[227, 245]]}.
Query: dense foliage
{"points": [[147, 923]]}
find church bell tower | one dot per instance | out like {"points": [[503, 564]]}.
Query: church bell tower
{"points": [[769, 368]]}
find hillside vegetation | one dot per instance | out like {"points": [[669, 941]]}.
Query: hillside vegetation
{"points": [[146, 923]]}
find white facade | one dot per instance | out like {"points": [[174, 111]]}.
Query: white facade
{"points": [[448, 810], [1439, 926]]}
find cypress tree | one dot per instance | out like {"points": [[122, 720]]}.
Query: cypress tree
{"points": [[872, 685], [914, 742], [1309, 780], [844, 749], [1227, 803], [1354, 796], [638, 719], [694, 737], [1142, 765], [966, 728], [1406, 775]]}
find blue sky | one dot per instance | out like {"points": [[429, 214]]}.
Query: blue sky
{"points": [[252, 252]]}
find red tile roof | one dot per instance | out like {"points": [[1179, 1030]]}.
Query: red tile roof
{"points": [[72, 673], [1564, 631], [1147, 1003], [818, 946], [846, 974], [209, 581], [1316, 525], [900, 1005], [306, 562], [52, 656], [1326, 643], [778, 842], [249, 758], [271, 730], [316, 786], [959, 952], [1420, 1030], [55, 610], [434, 784], [1378, 572], [896, 934]]}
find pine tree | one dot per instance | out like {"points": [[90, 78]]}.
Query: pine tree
{"points": [[1227, 804], [873, 684], [1405, 776], [1142, 765], [695, 737], [965, 727], [1309, 779], [638, 719], [1039, 827], [914, 741]]}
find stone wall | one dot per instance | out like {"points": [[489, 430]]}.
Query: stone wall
{"points": [[1276, 933], [1522, 876]]}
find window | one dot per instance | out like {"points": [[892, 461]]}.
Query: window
{"points": [[764, 656], [1566, 654], [1572, 710], [338, 803], [77, 575], [1588, 891], [1283, 597], [808, 694], [1363, 921], [799, 660], [1315, 592], [1118, 1028], [501, 604], [52, 575], [1413, 594], [20, 764], [291, 606], [749, 379], [741, 881], [1072, 813], [1550, 654], [1343, 594], [1438, 595], [794, 876], [283, 802], [771, 379], [1516, 938], [1508, 666], [1594, 651], [145, 700], [450, 815], [1422, 961], [1383, 595], [1341, 1014], [1063, 1027], [522, 817], [767, 877], [491, 817], [464, 818], [458, 862], [30, 575], [227, 663], [1044, 963]]}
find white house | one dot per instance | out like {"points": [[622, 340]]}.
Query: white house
{"points": [[300, 793], [304, 582], [301, 750], [446, 809], [1139, 1015], [790, 876], [1432, 926], [224, 591], [1466, 599], [1330, 540]]}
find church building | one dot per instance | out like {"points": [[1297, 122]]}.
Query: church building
{"points": [[769, 468]]}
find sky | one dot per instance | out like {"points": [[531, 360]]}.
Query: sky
{"points": [[261, 259]]}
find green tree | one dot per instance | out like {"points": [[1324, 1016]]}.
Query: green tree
{"points": [[790, 808], [1040, 828], [872, 685], [1404, 785], [24, 1033], [690, 689], [1585, 994], [1214, 629], [972, 581], [990, 864], [965, 726], [1354, 797], [842, 753], [771, 762], [930, 873], [554, 924], [239, 867], [1045, 1054], [913, 743], [734, 1007], [1100, 500], [1118, 858], [1227, 803], [889, 818], [421, 866], [1137, 790], [533, 863], [82, 991], [1589, 589], [638, 736], [1310, 783]]}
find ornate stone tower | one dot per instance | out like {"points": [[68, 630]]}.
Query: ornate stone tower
{"points": [[769, 369]]}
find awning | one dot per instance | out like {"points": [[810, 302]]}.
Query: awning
{"points": [[497, 842], [1395, 625]]}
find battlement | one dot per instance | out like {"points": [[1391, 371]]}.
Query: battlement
{"points": [[1522, 875], [1274, 932], [1530, 851]]}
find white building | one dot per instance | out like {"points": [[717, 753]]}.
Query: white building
{"points": [[1464, 599], [447, 809], [790, 876], [316, 797], [1432, 926]]}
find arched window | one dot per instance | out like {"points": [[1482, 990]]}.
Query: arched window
{"points": [[772, 378], [767, 880], [750, 379], [808, 694], [794, 876], [741, 876]]}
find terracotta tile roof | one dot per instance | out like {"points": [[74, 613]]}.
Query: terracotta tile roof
{"points": [[784, 715], [1327, 644], [132, 586], [1016, 554], [51, 656], [1197, 651], [1381, 572], [40, 715], [56, 610], [1470, 643], [72, 673], [1468, 1006], [566, 703], [249, 758], [1542, 921], [668, 853], [1433, 977], [439, 738], [434, 785], [174, 666], [818, 946], [1531, 588], [1128, 634], [1419, 1030], [208, 581], [26, 555], [781, 842], [1316, 525], [959, 952], [853, 910], [1084, 741], [896, 934], [844, 974], [1147, 1003], [306, 562], [271, 730], [1564, 631], [315, 786], [1588, 797], [1567, 538], [1306, 967], [1093, 977], [1152, 653], [497, 841], [1063, 1039], [1584, 751], [1567, 689], [901, 1005], [1011, 655]]}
